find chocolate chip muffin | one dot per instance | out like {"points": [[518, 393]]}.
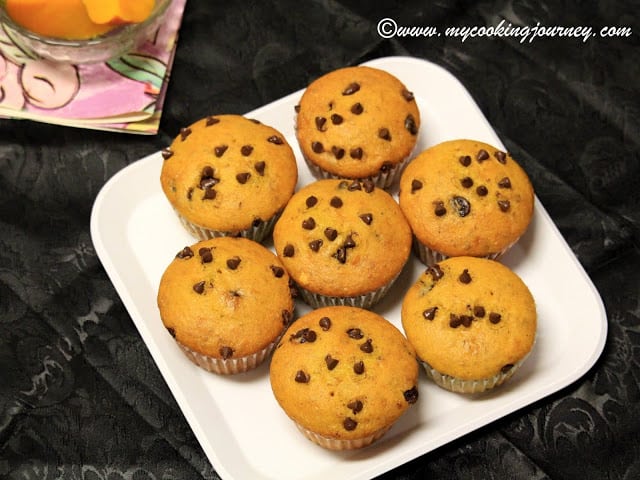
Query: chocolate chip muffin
{"points": [[464, 197], [344, 242], [357, 123], [344, 375], [227, 175], [226, 301], [472, 322]]}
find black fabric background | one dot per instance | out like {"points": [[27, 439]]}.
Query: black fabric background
{"points": [[80, 397]]}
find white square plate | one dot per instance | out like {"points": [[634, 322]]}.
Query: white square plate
{"points": [[237, 421]]}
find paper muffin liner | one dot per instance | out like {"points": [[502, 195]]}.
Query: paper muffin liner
{"points": [[257, 232], [384, 179], [342, 444], [367, 301], [230, 366], [429, 256], [458, 385]]}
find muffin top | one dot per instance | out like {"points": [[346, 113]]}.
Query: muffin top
{"points": [[356, 121], [344, 372], [464, 197], [226, 172], [225, 297], [342, 237], [469, 317]]}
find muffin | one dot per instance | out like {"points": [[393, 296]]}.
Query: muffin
{"points": [[344, 242], [226, 175], [472, 322], [357, 123], [344, 375], [464, 197], [226, 301]]}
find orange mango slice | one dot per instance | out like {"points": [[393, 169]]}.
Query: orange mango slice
{"points": [[116, 12], [66, 19]]}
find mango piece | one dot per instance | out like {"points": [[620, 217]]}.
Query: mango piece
{"points": [[67, 19], [117, 12]]}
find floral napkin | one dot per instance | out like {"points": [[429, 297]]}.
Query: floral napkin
{"points": [[125, 94]]}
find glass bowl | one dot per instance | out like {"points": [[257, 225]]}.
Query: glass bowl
{"points": [[102, 48]]}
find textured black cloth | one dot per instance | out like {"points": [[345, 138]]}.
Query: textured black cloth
{"points": [[80, 396]]}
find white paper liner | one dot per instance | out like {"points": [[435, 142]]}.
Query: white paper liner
{"points": [[458, 385], [367, 301], [429, 257], [257, 232], [340, 444], [229, 366]]}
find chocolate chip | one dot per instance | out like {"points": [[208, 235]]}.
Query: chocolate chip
{"points": [[461, 205], [349, 424], [317, 147], [234, 262], [184, 133], [366, 218], [330, 233], [415, 185], [454, 321], [209, 194], [355, 406], [465, 160], [278, 272], [311, 201], [302, 377], [304, 335], [315, 245], [256, 222], [186, 252], [226, 352], [190, 193], [384, 134], [336, 119], [357, 108], [368, 185], [220, 149], [325, 323], [309, 223], [336, 202], [407, 95], [358, 367], [430, 313], [321, 124], [467, 182], [351, 89], [506, 368], [495, 317], [246, 150], [199, 287], [331, 362], [171, 331], [356, 153], [355, 333], [341, 255], [259, 166], [482, 155], [367, 347], [479, 311], [205, 255], [243, 177], [435, 271], [505, 183], [386, 167], [288, 250], [338, 152], [501, 156], [465, 277], [354, 186], [439, 209], [411, 395], [211, 121], [167, 153], [207, 178], [349, 242], [504, 205], [410, 125], [482, 191], [466, 320], [275, 139]]}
